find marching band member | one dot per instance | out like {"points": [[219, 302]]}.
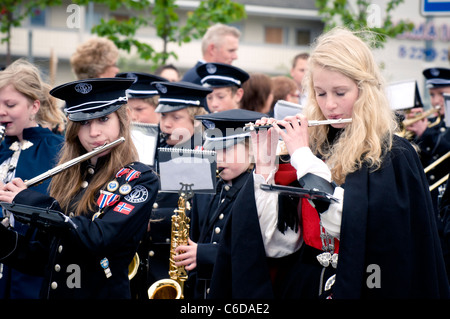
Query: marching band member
{"points": [[209, 213], [432, 136], [434, 139], [381, 235], [142, 97], [226, 82], [28, 150], [107, 199], [179, 103], [142, 102]]}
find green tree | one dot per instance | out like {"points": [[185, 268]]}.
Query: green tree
{"points": [[13, 12], [162, 15], [363, 15]]}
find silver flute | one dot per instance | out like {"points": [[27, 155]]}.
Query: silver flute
{"points": [[58, 169], [253, 127]]}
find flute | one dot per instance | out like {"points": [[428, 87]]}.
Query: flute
{"points": [[253, 127], [58, 169]]}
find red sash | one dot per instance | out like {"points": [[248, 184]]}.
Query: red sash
{"points": [[311, 226], [310, 221]]}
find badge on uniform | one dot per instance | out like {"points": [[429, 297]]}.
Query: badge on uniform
{"points": [[114, 185], [124, 208], [126, 188], [105, 199], [105, 265]]}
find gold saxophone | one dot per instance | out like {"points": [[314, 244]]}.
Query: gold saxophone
{"points": [[173, 287]]}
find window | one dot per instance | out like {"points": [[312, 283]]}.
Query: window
{"points": [[302, 37], [273, 35], [37, 17]]}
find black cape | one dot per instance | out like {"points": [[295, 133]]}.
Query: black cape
{"points": [[387, 221]]}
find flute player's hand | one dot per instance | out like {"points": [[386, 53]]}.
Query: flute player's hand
{"points": [[295, 135], [264, 146], [10, 190]]}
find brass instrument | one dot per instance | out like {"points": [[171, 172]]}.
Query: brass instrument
{"points": [[407, 122], [419, 117], [133, 267], [433, 165], [252, 126], [58, 169], [437, 162], [439, 182], [172, 288]]}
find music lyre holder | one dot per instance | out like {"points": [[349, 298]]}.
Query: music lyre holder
{"points": [[44, 218]]}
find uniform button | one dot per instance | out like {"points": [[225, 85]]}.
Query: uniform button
{"points": [[217, 230], [57, 268], [214, 242], [223, 199], [167, 240], [84, 184], [151, 253], [428, 149], [60, 248], [71, 214], [442, 129], [155, 205], [432, 177], [221, 216], [91, 171], [227, 188], [207, 290], [54, 285]]}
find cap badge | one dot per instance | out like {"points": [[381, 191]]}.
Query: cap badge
{"points": [[160, 87], [434, 72], [83, 88], [211, 68], [132, 76]]}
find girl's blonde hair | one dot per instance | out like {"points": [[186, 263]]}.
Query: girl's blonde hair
{"points": [[26, 79], [66, 184], [373, 122]]}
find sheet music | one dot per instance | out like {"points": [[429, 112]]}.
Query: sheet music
{"points": [[176, 165], [145, 138]]}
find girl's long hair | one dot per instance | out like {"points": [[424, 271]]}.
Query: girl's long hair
{"points": [[373, 122], [65, 185]]}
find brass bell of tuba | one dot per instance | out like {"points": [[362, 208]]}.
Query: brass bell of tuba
{"points": [[172, 288]]}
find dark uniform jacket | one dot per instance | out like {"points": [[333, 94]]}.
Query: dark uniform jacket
{"points": [[71, 259], [33, 161], [387, 221], [191, 75], [208, 217], [435, 143]]}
